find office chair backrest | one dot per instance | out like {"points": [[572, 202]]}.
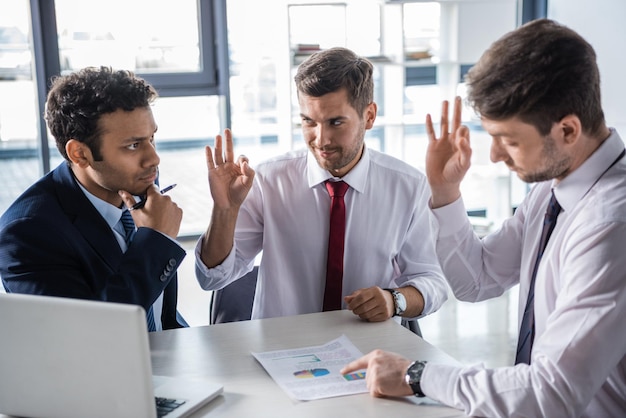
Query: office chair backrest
{"points": [[234, 302], [412, 325]]}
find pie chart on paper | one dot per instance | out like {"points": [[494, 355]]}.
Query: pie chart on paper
{"points": [[311, 373]]}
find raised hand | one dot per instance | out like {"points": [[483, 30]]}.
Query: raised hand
{"points": [[229, 181], [448, 157]]}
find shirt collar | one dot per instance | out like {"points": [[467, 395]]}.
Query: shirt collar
{"points": [[110, 213], [573, 187], [356, 178]]}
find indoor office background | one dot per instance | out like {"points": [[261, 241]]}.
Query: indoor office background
{"points": [[230, 63]]}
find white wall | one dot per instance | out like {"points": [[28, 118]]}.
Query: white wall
{"points": [[482, 23], [601, 23]]}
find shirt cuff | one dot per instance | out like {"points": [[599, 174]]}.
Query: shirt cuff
{"points": [[451, 218], [438, 382], [207, 276]]}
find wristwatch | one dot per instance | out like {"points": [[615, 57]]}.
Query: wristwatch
{"points": [[414, 376], [399, 302]]}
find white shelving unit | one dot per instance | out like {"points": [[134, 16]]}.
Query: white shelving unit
{"points": [[453, 32]]}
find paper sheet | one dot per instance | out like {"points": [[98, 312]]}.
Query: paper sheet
{"points": [[313, 372]]}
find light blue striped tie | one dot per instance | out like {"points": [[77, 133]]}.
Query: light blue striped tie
{"points": [[129, 229]]}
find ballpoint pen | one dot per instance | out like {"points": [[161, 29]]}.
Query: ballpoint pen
{"points": [[142, 202]]}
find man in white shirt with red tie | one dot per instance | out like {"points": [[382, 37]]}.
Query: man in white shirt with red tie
{"points": [[537, 91], [389, 263]]}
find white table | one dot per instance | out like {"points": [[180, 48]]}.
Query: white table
{"points": [[222, 353]]}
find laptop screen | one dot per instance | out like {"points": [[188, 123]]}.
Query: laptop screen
{"points": [[75, 358]]}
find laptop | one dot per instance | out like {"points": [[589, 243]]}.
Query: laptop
{"points": [[63, 357]]}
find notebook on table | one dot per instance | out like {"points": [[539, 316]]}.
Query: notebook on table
{"points": [[68, 358]]}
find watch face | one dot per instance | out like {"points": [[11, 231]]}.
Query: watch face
{"points": [[401, 301], [414, 377], [416, 370]]}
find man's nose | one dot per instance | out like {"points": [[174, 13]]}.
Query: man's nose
{"points": [[497, 152], [151, 158], [321, 136]]}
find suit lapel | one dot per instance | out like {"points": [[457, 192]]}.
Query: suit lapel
{"points": [[88, 221]]}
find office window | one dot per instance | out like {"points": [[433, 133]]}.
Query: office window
{"points": [[142, 38], [18, 112], [172, 44], [179, 47], [420, 51]]}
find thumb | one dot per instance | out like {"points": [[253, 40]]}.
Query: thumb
{"points": [[247, 171], [463, 143], [152, 190]]}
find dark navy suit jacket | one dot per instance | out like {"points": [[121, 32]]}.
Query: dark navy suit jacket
{"points": [[54, 242]]}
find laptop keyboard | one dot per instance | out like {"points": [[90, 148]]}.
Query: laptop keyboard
{"points": [[164, 405]]}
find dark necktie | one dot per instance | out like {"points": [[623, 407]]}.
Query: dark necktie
{"points": [[129, 226], [334, 263], [527, 329], [129, 229]]}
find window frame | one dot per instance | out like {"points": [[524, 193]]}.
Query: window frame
{"points": [[211, 80]]}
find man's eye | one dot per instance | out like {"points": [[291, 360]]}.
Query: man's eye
{"points": [[134, 145]]}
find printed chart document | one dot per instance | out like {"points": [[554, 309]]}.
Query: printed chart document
{"points": [[313, 372]]}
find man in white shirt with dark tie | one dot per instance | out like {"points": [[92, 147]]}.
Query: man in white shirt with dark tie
{"points": [[537, 91]]}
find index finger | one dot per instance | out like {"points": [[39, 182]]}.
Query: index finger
{"points": [[358, 364], [127, 198]]}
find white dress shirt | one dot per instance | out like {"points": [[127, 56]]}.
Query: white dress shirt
{"points": [[578, 363], [388, 240]]}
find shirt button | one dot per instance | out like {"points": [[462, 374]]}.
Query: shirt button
{"points": [[163, 277], [172, 262]]}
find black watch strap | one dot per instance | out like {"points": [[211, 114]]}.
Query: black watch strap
{"points": [[414, 377]]}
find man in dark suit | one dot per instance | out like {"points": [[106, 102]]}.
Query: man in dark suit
{"points": [[64, 236]]}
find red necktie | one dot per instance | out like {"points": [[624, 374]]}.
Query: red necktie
{"points": [[334, 263]]}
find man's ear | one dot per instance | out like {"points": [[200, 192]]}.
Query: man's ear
{"points": [[570, 129], [78, 153], [370, 115]]}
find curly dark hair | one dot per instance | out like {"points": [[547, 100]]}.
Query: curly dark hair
{"points": [[540, 73], [332, 69], [76, 102]]}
